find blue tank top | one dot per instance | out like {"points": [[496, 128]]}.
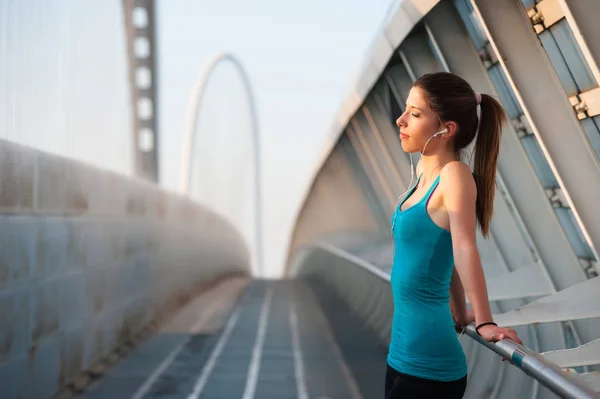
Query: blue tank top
{"points": [[423, 340]]}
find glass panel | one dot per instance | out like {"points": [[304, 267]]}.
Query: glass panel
{"points": [[507, 97], [558, 62], [471, 21], [574, 234], [592, 128], [572, 55], [539, 162]]}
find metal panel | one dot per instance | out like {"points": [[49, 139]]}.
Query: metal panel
{"points": [[577, 302], [584, 355], [528, 281], [559, 132]]}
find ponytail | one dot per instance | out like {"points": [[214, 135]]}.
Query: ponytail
{"points": [[487, 146], [453, 99]]}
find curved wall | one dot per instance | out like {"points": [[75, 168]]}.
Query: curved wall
{"points": [[88, 259]]}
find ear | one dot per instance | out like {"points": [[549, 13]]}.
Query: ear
{"points": [[452, 129]]}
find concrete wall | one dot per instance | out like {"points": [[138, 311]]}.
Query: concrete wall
{"points": [[87, 259]]}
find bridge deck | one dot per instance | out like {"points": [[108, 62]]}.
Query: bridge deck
{"points": [[263, 339]]}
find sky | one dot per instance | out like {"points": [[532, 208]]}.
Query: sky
{"points": [[301, 57]]}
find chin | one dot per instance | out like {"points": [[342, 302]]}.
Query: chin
{"points": [[408, 148]]}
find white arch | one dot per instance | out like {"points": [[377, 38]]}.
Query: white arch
{"points": [[189, 140]]}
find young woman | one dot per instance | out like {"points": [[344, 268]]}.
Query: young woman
{"points": [[434, 230]]}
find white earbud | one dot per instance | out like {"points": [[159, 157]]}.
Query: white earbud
{"points": [[441, 132]]}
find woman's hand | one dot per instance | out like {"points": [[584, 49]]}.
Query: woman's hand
{"points": [[493, 333]]}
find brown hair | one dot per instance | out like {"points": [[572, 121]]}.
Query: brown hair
{"points": [[453, 99]]}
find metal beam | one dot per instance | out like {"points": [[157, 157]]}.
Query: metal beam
{"points": [[538, 89]]}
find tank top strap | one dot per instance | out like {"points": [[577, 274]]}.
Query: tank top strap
{"points": [[431, 190]]}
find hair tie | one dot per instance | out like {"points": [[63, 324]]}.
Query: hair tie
{"points": [[478, 98]]}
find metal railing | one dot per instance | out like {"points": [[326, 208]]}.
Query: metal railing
{"points": [[533, 364], [360, 297]]}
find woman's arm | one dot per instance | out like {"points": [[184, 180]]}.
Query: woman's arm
{"points": [[460, 195], [458, 305]]}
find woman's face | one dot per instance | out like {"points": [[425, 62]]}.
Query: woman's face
{"points": [[418, 123]]}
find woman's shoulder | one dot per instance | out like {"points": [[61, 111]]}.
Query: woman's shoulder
{"points": [[456, 169], [457, 178]]}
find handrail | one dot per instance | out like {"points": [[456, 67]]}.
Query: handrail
{"points": [[535, 365], [550, 375]]}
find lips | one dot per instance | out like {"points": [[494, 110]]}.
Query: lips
{"points": [[403, 136]]}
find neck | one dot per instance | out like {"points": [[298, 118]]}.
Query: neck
{"points": [[431, 165]]}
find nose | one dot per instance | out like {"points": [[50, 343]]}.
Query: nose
{"points": [[400, 121]]}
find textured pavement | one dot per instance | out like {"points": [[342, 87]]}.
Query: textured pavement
{"points": [[265, 339]]}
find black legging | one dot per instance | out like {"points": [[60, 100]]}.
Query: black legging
{"points": [[402, 386]]}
